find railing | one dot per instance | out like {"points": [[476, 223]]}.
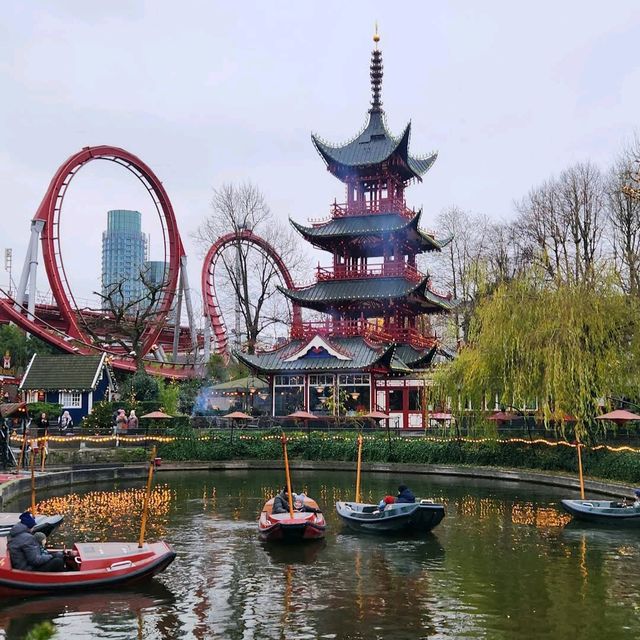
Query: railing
{"points": [[362, 327], [384, 206], [386, 270]]}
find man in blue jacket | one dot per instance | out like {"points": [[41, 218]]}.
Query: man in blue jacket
{"points": [[25, 552], [405, 494]]}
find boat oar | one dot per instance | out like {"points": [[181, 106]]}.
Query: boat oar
{"points": [[33, 480], [578, 447], [147, 497], [358, 467], [288, 475]]}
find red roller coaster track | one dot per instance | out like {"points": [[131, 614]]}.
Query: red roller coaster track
{"points": [[211, 307], [49, 212]]}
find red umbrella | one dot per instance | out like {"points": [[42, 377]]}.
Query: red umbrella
{"points": [[619, 416], [503, 416], [376, 415]]}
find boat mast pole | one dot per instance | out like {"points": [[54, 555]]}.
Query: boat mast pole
{"points": [[579, 446], [33, 480], [147, 497], [359, 467], [286, 471]]}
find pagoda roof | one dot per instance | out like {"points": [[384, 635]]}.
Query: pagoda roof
{"points": [[373, 146], [360, 354], [335, 292], [371, 225]]}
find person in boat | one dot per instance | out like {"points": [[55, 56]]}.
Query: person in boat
{"points": [[26, 553], [636, 502], [41, 539], [405, 494], [299, 504], [281, 502], [382, 505]]}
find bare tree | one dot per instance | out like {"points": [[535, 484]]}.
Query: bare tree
{"points": [[249, 277], [623, 210], [122, 320], [581, 190]]}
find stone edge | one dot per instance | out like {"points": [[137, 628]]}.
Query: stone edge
{"points": [[68, 478]]}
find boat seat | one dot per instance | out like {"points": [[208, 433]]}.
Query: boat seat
{"points": [[370, 509]]}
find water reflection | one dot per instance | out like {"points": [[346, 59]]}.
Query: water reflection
{"points": [[501, 565]]}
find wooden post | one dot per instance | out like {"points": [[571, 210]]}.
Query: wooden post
{"points": [[22, 450], [43, 453], [147, 497], [358, 468], [579, 446], [287, 474]]}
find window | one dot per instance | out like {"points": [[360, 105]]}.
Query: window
{"points": [[320, 391], [288, 394], [396, 400], [71, 399]]}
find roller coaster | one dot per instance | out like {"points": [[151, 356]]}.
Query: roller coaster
{"points": [[65, 325]]}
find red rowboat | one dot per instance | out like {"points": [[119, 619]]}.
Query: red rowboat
{"points": [[281, 527], [96, 565]]}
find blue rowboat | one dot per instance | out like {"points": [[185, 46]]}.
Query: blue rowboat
{"points": [[603, 512], [418, 517]]}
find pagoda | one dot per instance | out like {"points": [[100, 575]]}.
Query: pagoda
{"points": [[373, 343]]}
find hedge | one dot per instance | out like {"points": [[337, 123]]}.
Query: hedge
{"points": [[605, 464]]}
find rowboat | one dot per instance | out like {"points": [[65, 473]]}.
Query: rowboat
{"points": [[46, 524], [603, 512], [282, 527], [418, 517], [90, 566]]}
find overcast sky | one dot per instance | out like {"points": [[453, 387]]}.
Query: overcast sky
{"points": [[508, 93]]}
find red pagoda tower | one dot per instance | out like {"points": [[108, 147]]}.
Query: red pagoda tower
{"points": [[367, 354]]}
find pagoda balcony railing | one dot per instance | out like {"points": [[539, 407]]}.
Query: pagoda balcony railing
{"points": [[385, 270], [384, 205], [362, 328]]}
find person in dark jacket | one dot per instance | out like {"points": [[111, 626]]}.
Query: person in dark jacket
{"points": [[405, 494], [281, 502], [26, 553]]}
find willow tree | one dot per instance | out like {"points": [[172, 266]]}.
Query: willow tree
{"points": [[566, 346]]}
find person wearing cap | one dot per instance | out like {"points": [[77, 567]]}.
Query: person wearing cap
{"points": [[26, 552], [405, 494]]}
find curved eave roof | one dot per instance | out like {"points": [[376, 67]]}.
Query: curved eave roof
{"points": [[363, 356], [372, 146], [340, 291], [368, 225]]}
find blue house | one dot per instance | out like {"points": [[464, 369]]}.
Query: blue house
{"points": [[75, 382]]}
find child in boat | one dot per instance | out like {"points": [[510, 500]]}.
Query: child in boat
{"points": [[385, 501], [41, 539], [299, 504]]}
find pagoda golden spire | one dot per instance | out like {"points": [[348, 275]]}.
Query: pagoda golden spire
{"points": [[376, 36]]}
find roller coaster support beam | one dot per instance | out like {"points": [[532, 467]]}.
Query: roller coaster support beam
{"points": [[28, 276]]}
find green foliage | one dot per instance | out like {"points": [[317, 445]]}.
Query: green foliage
{"points": [[140, 387], [168, 396], [381, 448], [217, 370], [52, 410], [100, 416], [567, 345], [20, 346], [189, 390]]}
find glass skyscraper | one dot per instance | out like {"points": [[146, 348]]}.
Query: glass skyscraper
{"points": [[124, 253]]}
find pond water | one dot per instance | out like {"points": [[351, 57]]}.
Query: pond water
{"points": [[503, 564]]}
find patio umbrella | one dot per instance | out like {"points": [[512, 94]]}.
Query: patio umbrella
{"points": [[153, 415], [619, 416], [236, 415], [503, 416], [158, 415], [305, 416], [379, 415]]}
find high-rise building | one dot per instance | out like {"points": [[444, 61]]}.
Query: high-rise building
{"points": [[124, 253]]}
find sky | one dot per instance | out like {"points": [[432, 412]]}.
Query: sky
{"points": [[210, 92]]}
